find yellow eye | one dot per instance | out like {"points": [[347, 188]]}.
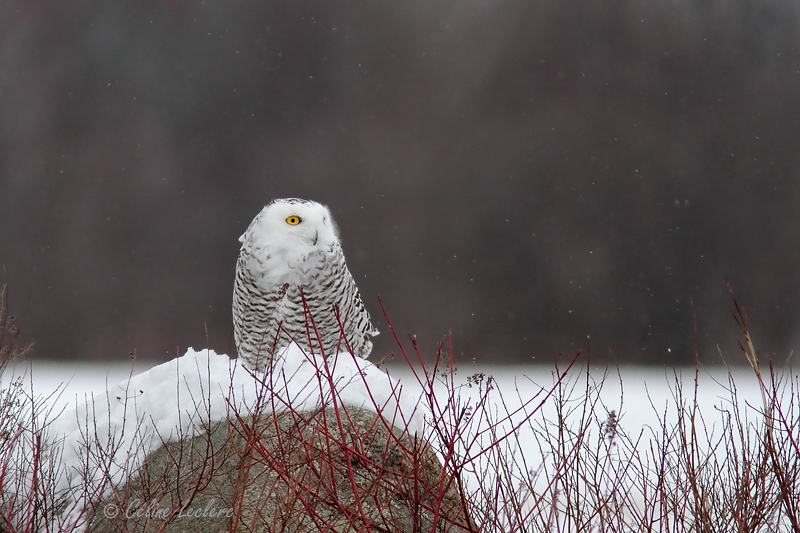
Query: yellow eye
{"points": [[293, 220]]}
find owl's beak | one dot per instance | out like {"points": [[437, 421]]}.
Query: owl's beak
{"points": [[316, 237]]}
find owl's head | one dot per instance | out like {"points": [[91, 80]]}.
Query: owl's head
{"points": [[291, 226]]}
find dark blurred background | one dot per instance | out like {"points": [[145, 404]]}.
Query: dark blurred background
{"points": [[535, 177]]}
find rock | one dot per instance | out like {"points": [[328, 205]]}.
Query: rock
{"points": [[325, 470]]}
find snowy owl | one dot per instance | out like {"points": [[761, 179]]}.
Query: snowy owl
{"points": [[291, 253]]}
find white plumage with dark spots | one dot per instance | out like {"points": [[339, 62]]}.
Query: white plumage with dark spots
{"points": [[291, 252]]}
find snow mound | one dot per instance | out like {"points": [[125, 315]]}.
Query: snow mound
{"points": [[177, 399]]}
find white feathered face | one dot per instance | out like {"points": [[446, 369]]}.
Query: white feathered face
{"points": [[291, 228]]}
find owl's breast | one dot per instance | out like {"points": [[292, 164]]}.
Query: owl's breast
{"points": [[278, 267]]}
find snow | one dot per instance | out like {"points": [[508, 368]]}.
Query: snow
{"points": [[644, 401], [177, 399]]}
